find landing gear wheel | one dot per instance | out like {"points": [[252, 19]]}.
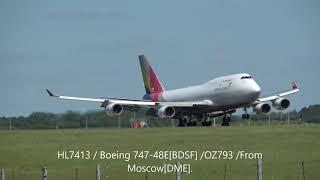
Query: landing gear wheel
{"points": [[206, 123], [182, 123], [192, 123], [225, 121], [245, 116]]}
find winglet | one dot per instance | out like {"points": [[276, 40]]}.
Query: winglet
{"points": [[294, 85], [50, 93]]}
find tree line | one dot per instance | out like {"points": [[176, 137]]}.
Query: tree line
{"points": [[98, 119]]}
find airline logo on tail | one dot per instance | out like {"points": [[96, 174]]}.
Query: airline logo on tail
{"points": [[152, 84]]}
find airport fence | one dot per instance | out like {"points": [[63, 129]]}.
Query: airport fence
{"points": [[226, 172]]}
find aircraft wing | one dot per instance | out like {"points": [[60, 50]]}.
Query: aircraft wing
{"points": [[131, 102], [294, 89]]}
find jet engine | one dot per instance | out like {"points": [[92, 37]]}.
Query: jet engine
{"points": [[166, 112], [281, 103], [262, 108], [114, 109]]}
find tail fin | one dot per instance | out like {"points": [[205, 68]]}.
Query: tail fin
{"points": [[150, 79]]}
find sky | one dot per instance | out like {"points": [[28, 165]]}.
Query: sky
{"points": [[90, 48]]}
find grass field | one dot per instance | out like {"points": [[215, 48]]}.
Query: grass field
{"points": [[24, 152]]}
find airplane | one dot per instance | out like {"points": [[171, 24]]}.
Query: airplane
{"points": [[218, 97]]}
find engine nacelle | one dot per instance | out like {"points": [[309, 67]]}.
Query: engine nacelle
{"points": [[114, 109], [281, 103], [166, 112], [262, 108]]}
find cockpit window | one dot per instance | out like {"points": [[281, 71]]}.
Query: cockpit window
{"points": [[246, 77]]}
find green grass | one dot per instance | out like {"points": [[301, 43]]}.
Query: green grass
{"points": [[24, 152]]}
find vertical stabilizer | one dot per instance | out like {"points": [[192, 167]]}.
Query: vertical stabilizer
{"points": [[150, 79]]}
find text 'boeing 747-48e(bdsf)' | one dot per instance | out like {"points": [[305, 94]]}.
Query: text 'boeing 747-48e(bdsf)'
{"points": [[218, 97]]}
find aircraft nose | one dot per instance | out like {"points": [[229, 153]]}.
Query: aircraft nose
{"points": [[255, 90]]}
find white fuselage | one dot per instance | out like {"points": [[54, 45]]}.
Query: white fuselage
{"points": [[231, 91]]}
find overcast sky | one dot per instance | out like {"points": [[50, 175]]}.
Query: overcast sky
{"points": [[90, 48]]}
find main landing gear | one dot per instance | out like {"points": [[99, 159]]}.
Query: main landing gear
{"points": [[184, 122], [245, 115], [206, 120], [192, 123], [187, 121], [226, 120], [206, 123]]}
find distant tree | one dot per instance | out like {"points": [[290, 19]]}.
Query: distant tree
{"points": [[311, 113], [72, 119]]}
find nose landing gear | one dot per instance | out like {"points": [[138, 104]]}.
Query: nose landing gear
{"points": [[245, 115]]}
